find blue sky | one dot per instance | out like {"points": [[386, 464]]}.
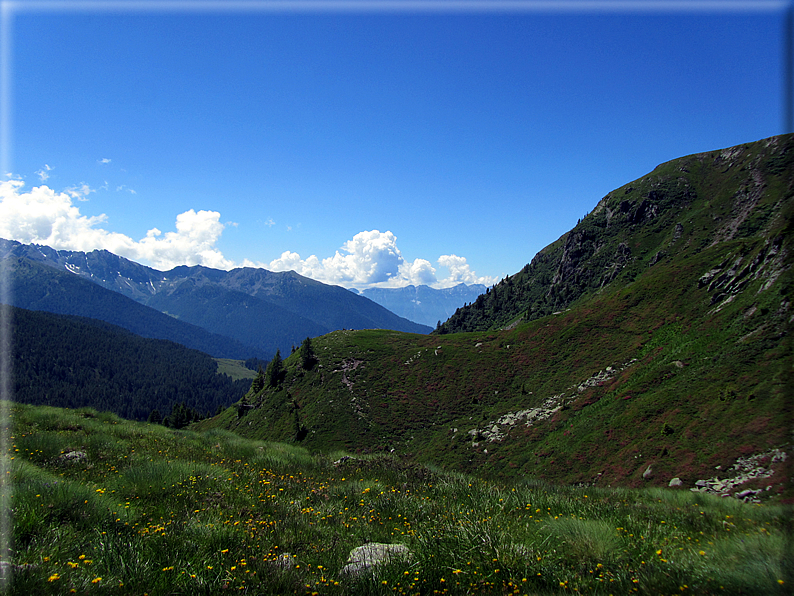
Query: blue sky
{"points": [[363, 147]]}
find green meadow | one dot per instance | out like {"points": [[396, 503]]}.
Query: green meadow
{"points": [[101, 505]]}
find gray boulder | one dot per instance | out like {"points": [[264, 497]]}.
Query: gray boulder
{"points": [[365, 558], [73, 456]]}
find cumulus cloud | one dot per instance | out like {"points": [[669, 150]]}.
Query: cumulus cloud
{"points": [[460, 272], [372, 259], [369, 258], [420, 272], [193, 243], [44, 216], [104, 160]]}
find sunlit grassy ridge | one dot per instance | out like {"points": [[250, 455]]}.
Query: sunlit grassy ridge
{"points": [[234, 368], [102, 505]]}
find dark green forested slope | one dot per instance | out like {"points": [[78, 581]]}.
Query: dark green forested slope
{"points": [[68, 361]]}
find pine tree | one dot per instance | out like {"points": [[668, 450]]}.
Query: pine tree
{"points": [[180, 416], [273, 372], [307, 354], [259, 382]]}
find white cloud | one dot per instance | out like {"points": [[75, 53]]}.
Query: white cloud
{"points": [[79, 192], [43, 173], [193, 243], [372, 259], [104, 160], [460, 271], [291, 261], [420, 272], [44, 216], [47, 217]]}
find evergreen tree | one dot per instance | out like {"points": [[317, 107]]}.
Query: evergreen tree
{"points": [[155, 417], [259, 382], [273, 372], [307, 354], [177, 416]]}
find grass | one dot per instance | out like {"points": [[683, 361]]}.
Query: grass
{"points": [[235, 369], [155, 511], [696, 397]]}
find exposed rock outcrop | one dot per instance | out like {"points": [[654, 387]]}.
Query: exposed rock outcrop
{"points": [[496, 430], [744, 470]]}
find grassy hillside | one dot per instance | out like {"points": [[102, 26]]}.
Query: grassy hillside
{"points": [[672, 361], [105, 506]]}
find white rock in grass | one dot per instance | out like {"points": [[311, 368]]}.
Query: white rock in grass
{"points": [[364, 558], [284, 561], [73, 456]]}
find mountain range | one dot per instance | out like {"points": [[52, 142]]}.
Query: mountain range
{"points": [[233, 314], [424, 304], [649, 345]]}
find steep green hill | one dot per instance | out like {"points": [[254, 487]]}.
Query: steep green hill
{"points": [[682, 208], [649, 343]]}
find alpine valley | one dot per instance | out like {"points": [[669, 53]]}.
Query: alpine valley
{"points": [[571, 430], [646, 346]]}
